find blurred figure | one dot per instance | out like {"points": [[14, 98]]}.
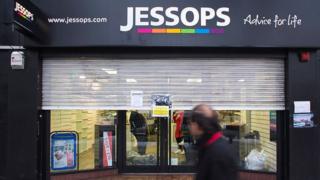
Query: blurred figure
{"points": [[217, 161], [139, 129]]}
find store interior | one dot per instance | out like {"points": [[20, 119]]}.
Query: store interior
{"points": [[251, 133]]}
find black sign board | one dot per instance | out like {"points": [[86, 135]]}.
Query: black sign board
{"points": [[202, 23], [30, 20]]}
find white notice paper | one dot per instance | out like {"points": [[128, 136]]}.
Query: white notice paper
{"points": [[302, 107], [136, 98], [174, 161]]}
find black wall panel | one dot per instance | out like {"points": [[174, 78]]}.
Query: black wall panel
{"points": [[7, 34], [23, 115], [304, 144], [4, 64]]}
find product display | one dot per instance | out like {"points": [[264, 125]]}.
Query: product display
{"points": [[86, 123], [63, 151]]}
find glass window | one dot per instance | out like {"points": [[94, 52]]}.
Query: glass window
{"points": [[182, 150], [142, 134], [95, 145], [253, 135]]}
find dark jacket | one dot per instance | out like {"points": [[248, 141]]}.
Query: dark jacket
{"points": [[217, 161], [138, 123]]}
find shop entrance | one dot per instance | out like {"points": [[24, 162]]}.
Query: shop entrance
{"points": [[154, 144]]}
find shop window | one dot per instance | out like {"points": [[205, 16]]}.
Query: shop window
{"points": [[183, 151], [94, 144], [142, 134], [252, 135]]}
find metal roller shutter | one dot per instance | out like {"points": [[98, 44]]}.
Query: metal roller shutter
{"points": [[226, 84]]}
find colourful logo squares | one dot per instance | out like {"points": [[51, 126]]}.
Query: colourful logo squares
{"points": [[175, 31], [144, 30], [188, 31], [202, 31], [180, 30], [160, 31]]}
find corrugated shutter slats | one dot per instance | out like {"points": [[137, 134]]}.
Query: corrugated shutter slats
{"points": [[231, 84]]}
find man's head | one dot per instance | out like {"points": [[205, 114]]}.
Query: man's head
{"points": [[203, 120], [205, 110]]}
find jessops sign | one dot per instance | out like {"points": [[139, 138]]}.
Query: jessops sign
{"points": [[172, 17], [23, 12], [202, 23], [29, 19]]}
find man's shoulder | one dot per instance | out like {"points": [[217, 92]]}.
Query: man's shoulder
{"points": [[220, 148], [220, 143]]}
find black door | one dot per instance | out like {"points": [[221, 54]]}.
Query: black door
{"points": [[148, 144]]}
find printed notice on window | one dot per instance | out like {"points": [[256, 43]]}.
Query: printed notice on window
{"points": [[302, 107], [160, 111], [136, 98]]}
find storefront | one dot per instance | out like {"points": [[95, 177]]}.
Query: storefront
{"points": [[96, 96], [88, 87]]}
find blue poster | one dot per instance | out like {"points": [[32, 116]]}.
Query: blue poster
{"points": [[63, 151], [303, 120]]}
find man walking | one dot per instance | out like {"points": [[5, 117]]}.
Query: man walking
{"points": [[217, 161]]}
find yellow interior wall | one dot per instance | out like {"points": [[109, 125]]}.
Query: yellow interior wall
{"points": [[83, 122], [260, 121]]}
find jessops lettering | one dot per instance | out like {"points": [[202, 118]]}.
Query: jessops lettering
{"points": [[172, 16], [22, 11]]}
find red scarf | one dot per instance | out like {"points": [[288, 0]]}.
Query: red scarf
{"points": [[214, 138]]}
